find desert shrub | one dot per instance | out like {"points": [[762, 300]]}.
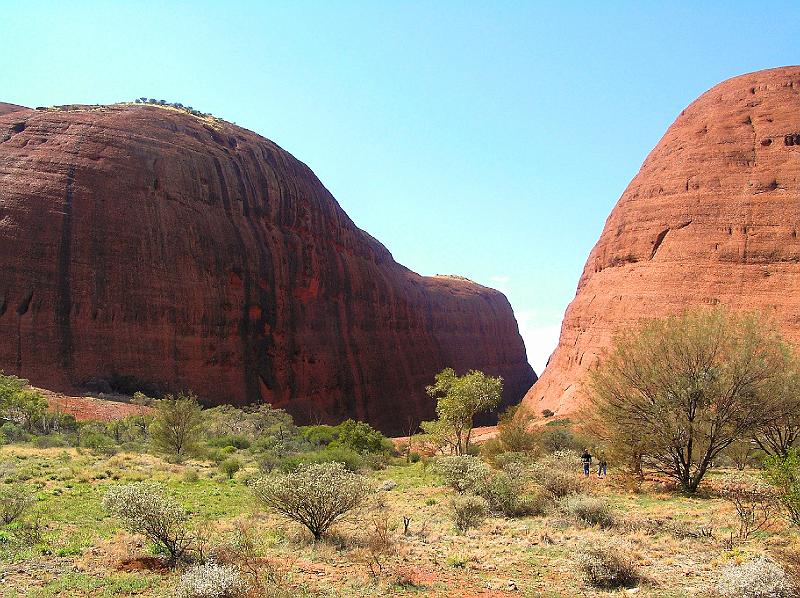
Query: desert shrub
{"points": [[462, 473], [14, 501], [783, 472], [469, 511], [756, 578], [190, 476], [230, 466], [504, 493], [558, 474], [12, 432], [587, 509], [361, 438], [238, 441], [316, 495], [755, 503], [321, 435], [146, 508], [349, 458], [212, 581], [176, 427], [608, 566]]}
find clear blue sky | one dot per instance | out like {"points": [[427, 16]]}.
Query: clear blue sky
{"points": [[486, 139]]}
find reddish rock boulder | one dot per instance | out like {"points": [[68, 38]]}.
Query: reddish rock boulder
{"points": [[142, 242], [712, 217]]}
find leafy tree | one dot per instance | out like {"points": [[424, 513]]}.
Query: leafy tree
{"points": [[675, 392], [19, 403], [176, 427], [460, 398], [783, 429]]}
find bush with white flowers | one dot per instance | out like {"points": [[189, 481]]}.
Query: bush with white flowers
{"points": [[212, 581], [757, 578]]}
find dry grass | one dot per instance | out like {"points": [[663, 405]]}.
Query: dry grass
{"points": [[85, 553]]}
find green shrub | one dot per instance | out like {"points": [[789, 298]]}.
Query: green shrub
{"points": [[190, 476], [587, 509], [502, 493], [239, 441], [15, 499], [230, 466], [462, 473], [315, 495], [350, 459], [783, 472], [361, 438], [468, 511], [321, 435]]}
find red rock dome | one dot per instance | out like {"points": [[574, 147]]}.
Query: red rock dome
{"points": [[712, 217], [142, 242]]}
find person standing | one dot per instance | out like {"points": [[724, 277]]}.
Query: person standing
{"points": [[602, 464], [586, 458]]}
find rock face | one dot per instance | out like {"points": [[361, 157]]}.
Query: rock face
{"points": [[712, 217], [141, 242]]}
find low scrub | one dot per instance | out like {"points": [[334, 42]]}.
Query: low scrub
{"points": [[212, 581], [15, 499], [559, 474], [608, 566], [756, 578], [469, 511], [587, 509]]}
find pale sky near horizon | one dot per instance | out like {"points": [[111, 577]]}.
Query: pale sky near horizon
{"points": [[484, 139]]}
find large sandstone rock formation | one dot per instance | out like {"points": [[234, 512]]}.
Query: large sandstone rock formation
{"points": [[712, 217], [144, 242]]}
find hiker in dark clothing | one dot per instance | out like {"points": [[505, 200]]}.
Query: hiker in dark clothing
{"points": [[601, 465], [586, 458]]}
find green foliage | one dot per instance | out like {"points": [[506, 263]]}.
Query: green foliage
{"points": [[675, 392], [468, 511], [558, 474], [459, 400], [15, 499], [783, 472], [176, 427], [321, 435], [230, 466], [361, 438], [462, 473], [315, 495], [21, 404], [350, 459]]}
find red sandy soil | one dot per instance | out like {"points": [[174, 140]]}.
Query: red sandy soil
{"points": [[91, 408]]}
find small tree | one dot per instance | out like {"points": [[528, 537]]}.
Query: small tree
{"points": [[20, 403], [677, 391], [460, 399], [146, 508], [316, 495], [14, 501], [230, 466], [176, 427], [755, 503], [783, 429]]}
